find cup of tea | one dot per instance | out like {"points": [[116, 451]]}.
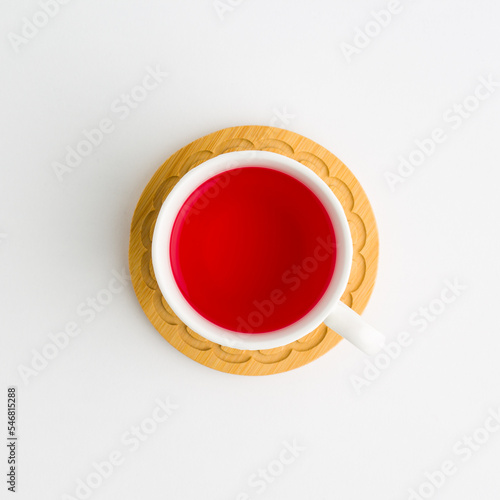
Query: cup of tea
{"points": [[252, 250]]}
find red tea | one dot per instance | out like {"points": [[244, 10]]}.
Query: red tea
{"points": [[253, 250]]}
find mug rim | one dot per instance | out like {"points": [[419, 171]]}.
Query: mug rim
{"points": [[161, 261]]}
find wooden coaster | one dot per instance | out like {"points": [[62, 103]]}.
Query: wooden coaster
{"points": [[322, 162]]}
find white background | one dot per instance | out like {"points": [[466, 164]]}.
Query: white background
{"points": [[61, 242]]}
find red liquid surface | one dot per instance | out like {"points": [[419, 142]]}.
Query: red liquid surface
{"points": [[253, 250]]}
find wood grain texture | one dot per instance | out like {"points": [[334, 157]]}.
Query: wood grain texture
{"points": [[342, 182]]}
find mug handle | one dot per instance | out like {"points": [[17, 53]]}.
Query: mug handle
{"points": [[350, 325]]}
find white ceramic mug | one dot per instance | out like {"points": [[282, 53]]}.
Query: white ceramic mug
{"points": [[329, 310]]}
